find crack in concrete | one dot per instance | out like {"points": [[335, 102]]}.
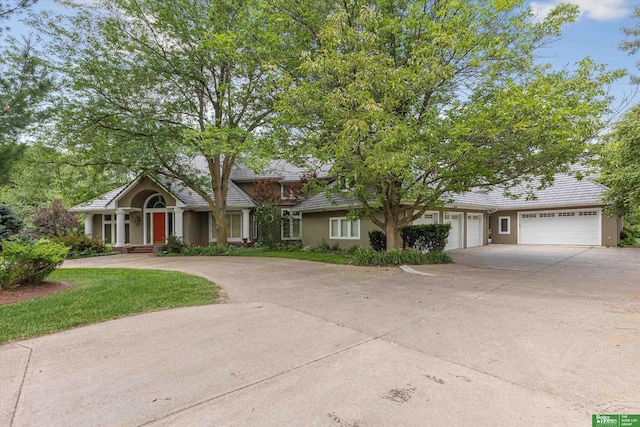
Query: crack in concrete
{"points": [[24, 376]]}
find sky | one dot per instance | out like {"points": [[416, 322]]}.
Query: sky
{"points": [[597, 33]]}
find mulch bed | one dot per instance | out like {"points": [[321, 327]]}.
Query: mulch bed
{"points": [[23, 293]]}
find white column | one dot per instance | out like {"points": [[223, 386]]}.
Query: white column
{"points": [[246, 227], [119, 228], [178, 222], [88, 224]]}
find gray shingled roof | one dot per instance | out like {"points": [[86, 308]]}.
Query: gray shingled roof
{"points": [[236, 198], [100, 202], [275, 169], [567, 190]]}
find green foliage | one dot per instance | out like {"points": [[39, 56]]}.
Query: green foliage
{"points": [[619, 164], [378, 240], [363, 256], [10, 224], [629, 235], [29, 263], [81, 245], [174, 245], [427, 237], [53, 220], [410, 101], [268, 224], [44, 174], [102, 294]]}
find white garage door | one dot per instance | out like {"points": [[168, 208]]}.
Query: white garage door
{"points": [[427, 218], [566, 227], [455, 235], [474, 230]]}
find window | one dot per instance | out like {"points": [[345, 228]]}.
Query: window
{"points": [[286, 192], [234, 226], [291, 225], [504, 225], [109, 229], [340, 228], [156, 202]]}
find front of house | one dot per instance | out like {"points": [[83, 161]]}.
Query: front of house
{"points": [[146, 211]]}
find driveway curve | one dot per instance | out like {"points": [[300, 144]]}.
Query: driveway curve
{"points": [[537, 336]]}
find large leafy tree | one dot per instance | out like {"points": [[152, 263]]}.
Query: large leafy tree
{"points": [[620, 164], [163, 86], [413, 100], [24, 82]]}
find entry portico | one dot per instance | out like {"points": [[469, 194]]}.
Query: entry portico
{"points": [[147, 211]]}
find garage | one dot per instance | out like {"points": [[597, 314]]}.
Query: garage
{"points": [[560, 227], [474, 229], [455, 234]]}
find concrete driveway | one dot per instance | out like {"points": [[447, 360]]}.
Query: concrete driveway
{"points": [[507, 335]]}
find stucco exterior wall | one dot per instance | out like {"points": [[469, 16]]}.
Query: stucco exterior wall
{"points": [[136, 233], [97, 226], [136, 196], [196, 228], [504, 239], [610, 226]]}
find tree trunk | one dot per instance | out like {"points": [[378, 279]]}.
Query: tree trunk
{"points": [[221, 224], [392, 232]]}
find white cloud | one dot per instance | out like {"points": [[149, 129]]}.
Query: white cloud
{"points": [[599, 10]]}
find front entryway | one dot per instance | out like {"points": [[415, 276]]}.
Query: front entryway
{"points": [[159, 227]]}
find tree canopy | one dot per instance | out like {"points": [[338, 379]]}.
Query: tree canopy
{"points": [[158, 86], [411, 101], [24, 82]]}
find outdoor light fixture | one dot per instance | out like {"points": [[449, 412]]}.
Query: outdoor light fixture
{"points": [[137, 220]]}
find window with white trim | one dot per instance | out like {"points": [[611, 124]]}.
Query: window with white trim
{"points": [[341, 228], [109, 229], [291, 228], [504, 225], [234, 226]]}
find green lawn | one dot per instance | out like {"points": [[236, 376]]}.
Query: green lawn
{"points": [[102, 294]]}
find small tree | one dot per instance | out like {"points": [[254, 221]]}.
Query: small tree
{"points": [[53, 220], [10, 224]]}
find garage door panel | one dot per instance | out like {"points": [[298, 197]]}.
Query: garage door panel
{"points": [[576, 227]]}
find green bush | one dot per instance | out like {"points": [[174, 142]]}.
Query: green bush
{"points": [[211, 250], [29, 263], [10, 223], [629, 236], [174, 245], [80, 245], [378, 240], [428, 237], [363, 256]]}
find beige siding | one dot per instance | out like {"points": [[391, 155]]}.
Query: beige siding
{"points": [[97, 226]]}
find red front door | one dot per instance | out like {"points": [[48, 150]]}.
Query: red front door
{"points": [[159, 229]]}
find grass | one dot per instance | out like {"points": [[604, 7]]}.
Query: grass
{"points": [[102, 294]]}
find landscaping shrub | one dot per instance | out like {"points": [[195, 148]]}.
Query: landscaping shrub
{"points": [[10, 223], [363, 256], [54, 220], [378, 240], [428, 237], [268, 223], [80, 245], [29, 263], [629, 236], [211, 250], [174, 245]]}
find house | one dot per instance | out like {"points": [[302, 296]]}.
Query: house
{"points": [[148, 210]]}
